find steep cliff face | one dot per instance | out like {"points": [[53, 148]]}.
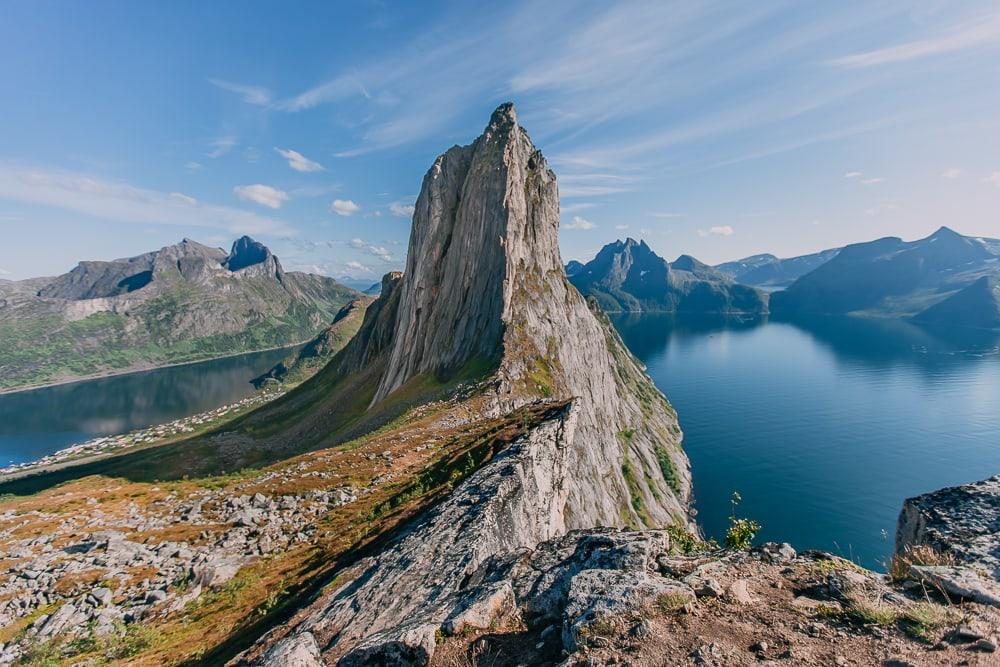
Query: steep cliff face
{"points": [[485, 287]]}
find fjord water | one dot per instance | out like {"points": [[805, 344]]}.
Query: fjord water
{"points": [[824, 426], [41, 421]]}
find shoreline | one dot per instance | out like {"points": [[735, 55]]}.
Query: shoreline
{"points": [[150, 436], [133, 371]]}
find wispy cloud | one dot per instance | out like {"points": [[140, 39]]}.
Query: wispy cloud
{"points": [[344, 207], [257, 95], [952, 173], [573, 208], [871, 181], [723, 230], [265, 195], [980, 31], [381, 252], [853, 174], [121, 202], [402, 209], [579, 223], [621, 228], [993, 178], [354, 265], [298, 161], [666, 216], [221, 146], [194, 166]]}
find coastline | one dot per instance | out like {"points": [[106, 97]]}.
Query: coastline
{"points": [[132, 371]]}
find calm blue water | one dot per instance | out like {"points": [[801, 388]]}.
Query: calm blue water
{"points": [[825, 427], [39, 422]]}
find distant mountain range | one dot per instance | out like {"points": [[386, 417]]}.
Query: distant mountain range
{"points": [[945, 277], [769, 272], [184, 302], [627, 276]]}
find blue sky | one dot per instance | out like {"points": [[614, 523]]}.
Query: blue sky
{"points": [[718, 129]]}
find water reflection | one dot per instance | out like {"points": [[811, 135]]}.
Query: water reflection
{"points": [[824, 425]]}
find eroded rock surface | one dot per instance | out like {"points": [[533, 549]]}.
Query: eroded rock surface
{"points": [[962, 525]]}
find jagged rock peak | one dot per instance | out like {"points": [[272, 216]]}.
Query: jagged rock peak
{"points": [[484, 281], [486, 213], [248, 252]]}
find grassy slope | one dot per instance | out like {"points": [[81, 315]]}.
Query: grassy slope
{"points": [[44, 347]]}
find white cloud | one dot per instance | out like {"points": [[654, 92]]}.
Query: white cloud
{"points": [[344, 207], [621, 228], [183, 198], [4, 272], [121, 202], [374, 250], [952, 173], [871, 181], [257, 95], [666, 216], [298, 161], [221, 146], [723, 230], [581, 206], [977, 32], [993, 178], [357, 266], [853, 174], [579, 223], [194, 166], [402, 210], [261, 194]]}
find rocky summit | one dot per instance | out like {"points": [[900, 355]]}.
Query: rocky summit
{"points": [[184, 302], [485, 285]]}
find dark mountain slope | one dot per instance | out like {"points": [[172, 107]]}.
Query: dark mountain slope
{"points": [[627, 276], [890, 276]]}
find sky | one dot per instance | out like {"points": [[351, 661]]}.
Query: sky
{"points": [[717, 129]]}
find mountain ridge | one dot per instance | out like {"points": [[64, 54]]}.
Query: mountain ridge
{"points": [[184, 302], [627, 276], [891, 277]]}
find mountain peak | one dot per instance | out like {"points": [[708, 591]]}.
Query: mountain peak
{"points": [[247, 252]]}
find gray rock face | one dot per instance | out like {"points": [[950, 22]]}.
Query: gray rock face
{"points": [[962, 523], [485, 285]]}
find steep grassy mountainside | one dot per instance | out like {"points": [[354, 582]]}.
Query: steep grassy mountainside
{"points": [[181, 303], [891, 277], [321, 349], [770, 272], [627, 276]]}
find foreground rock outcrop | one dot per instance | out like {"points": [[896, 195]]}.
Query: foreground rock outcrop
{"points": [[485, 287], [951, 539]]}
